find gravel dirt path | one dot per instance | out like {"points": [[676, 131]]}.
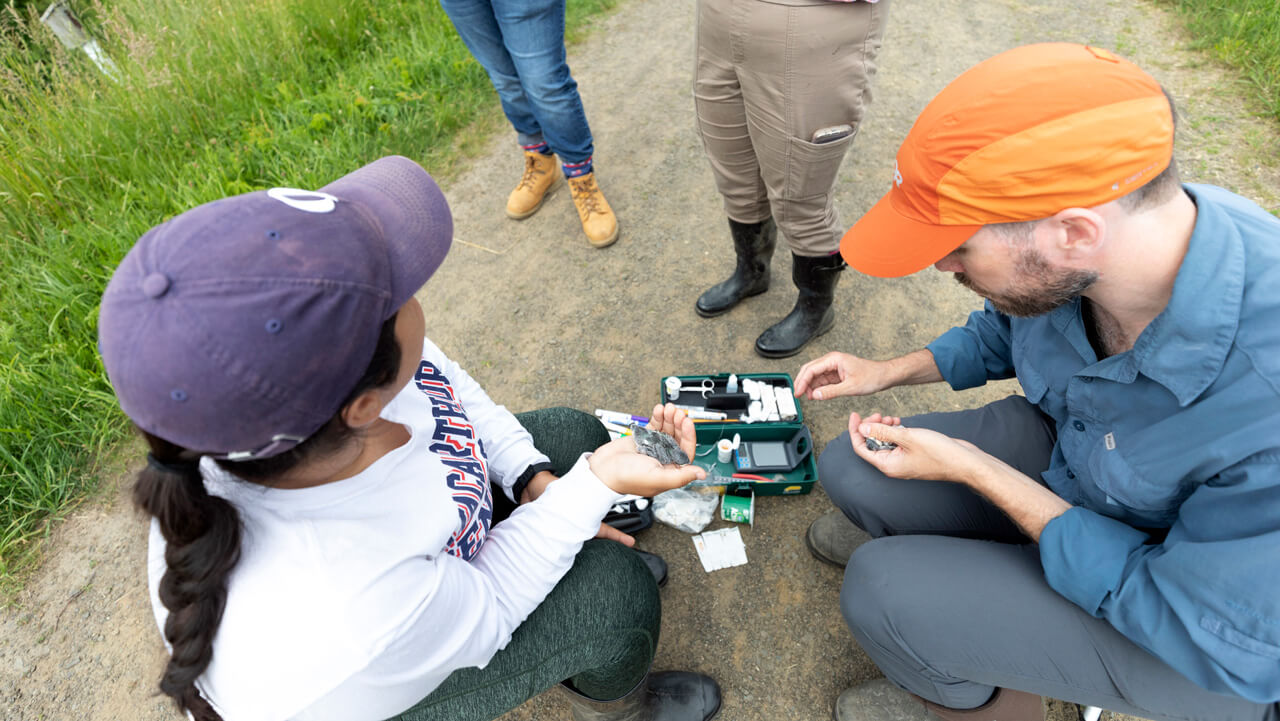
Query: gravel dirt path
{"points": [[542, 319]]}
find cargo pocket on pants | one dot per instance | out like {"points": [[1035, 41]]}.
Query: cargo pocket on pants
{"points": [[811, 168]]}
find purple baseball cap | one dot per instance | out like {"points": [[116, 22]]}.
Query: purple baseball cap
{"points": [[238, 328]]}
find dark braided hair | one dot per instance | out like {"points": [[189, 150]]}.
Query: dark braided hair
{"points": [[202, 531]]}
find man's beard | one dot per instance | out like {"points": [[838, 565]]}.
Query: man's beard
{"points": [[1038, 288]]}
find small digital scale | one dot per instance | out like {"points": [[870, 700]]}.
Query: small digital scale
{"points": [[773, 456]]}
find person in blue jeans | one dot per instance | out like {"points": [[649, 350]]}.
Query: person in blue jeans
{"points": [[520, 43]]}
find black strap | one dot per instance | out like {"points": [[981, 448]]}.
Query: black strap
{"points": [[517, 489]]}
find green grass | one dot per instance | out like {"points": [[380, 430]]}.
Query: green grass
{"points": [[1245, 34], [214, 98], [218, 97]]}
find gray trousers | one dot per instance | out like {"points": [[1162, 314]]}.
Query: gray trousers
{"points": [[950, 601], [766, 77]]}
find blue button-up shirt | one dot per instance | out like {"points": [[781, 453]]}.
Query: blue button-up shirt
{"points": [[1181, 432]]}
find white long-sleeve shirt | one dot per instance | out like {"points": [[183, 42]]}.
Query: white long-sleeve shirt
{"points": [[352, 600]]}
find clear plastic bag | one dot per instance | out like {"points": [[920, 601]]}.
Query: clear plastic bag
{"points": [[689, 509]]}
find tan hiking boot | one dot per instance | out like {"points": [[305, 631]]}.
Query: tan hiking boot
{"points": [[541, 174], [598, 220]]}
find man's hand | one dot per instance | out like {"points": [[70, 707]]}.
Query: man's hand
{"points": [[838, 374], [539, 483], [921, 453], [928, 455]]}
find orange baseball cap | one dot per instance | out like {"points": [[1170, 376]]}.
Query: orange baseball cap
{"points": [[1020, 136]]}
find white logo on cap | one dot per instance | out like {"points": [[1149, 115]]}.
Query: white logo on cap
{"points": [[897, 174], [308, 201]]}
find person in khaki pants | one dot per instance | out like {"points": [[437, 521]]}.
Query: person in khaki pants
{"points": [[780, 88]]}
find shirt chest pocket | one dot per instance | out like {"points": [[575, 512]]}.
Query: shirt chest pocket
{"points": [[1038, 391], [1150, 490]]}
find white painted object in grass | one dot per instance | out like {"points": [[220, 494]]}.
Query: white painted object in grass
{"points": [[67, 27]]}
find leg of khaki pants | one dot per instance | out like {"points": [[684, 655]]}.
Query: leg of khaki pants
{"points": [[721, 112], [796, 69]]}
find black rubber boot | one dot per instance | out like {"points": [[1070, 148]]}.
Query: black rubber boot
{"points": [[667, 696], [816, 279], [753, 244]]}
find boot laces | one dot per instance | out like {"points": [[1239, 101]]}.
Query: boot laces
{"points": [[531, 173], [586, 195]]}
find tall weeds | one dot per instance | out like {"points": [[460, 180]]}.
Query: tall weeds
{"points": [[1245, 34], [213, 98]]}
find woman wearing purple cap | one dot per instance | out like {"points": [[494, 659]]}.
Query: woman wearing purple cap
{"points": [[328, 536]]}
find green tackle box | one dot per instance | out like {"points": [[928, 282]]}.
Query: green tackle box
{"points": [[797, 481]]}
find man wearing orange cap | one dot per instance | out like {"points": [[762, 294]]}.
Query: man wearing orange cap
{"points": [[1113, 537]]}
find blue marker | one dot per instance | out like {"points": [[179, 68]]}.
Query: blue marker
{"points": [[624, 419]]}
